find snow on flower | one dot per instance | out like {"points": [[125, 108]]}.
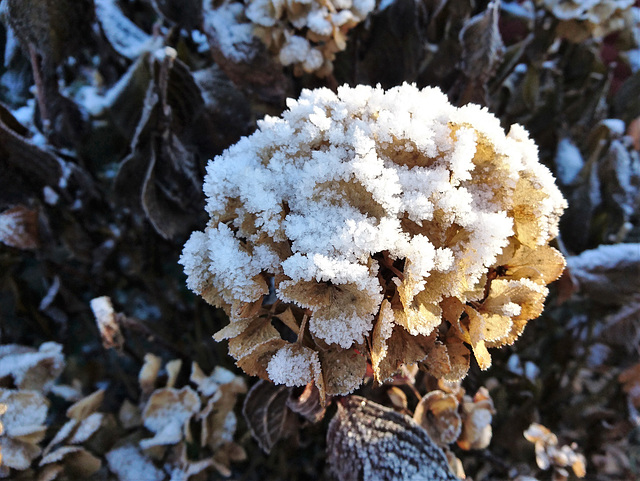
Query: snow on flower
{"points": [[390, 226], [306, 34]]}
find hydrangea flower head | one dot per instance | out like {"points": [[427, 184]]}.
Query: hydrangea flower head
{"points": [[375, 227]]}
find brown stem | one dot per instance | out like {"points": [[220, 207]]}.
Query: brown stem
{"points": [[40, 88]]}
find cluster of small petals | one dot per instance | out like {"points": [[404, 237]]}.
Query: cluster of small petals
{"points": [[598, 17], [387, 224], [306, 33]]}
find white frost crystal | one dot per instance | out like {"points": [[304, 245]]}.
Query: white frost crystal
{"points": [[370, 198]]}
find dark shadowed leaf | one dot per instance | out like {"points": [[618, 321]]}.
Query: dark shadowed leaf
{"points": [[26, 165], [267, 415], [162, 175], [609, 274], [622, 327], [367, 441], [482, 43], [185, 13], [55, 28], [482, 51]]}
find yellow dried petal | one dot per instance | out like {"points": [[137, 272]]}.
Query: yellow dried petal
{"points": [[149, 373], [437, 412], [543, 264], [86, 406], [526, 199]]}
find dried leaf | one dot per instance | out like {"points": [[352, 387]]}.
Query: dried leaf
{"points": [[129, 415], [87, 406], [267, 414], [149, 373], [630, 380], [543, 264], [107, 321], [477, 414], [167, 414], [55, 28], [437, 413], [398, 399], [366, 441], [392, 345], [77, 461], [173, 370], [622, 328], [482, 51], [308, 404], [19, 227], [342, 370]]}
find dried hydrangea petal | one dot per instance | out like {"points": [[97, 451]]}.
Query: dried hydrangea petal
{"points": [[390, 222]]}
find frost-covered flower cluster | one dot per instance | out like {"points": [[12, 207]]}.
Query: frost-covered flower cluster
{"points": [[595, 18], [376, 226], [307, 33], [304, 33]]}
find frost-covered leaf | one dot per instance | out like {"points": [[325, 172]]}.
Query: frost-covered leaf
{"points": [[77, 461], [161, 175], [267, 414], [19, 227], [167, 414], [568, 160], [367, 441], [609, 274], [30, 368], [24, 428], [87, 428], [125, 37], [477, 414]]}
